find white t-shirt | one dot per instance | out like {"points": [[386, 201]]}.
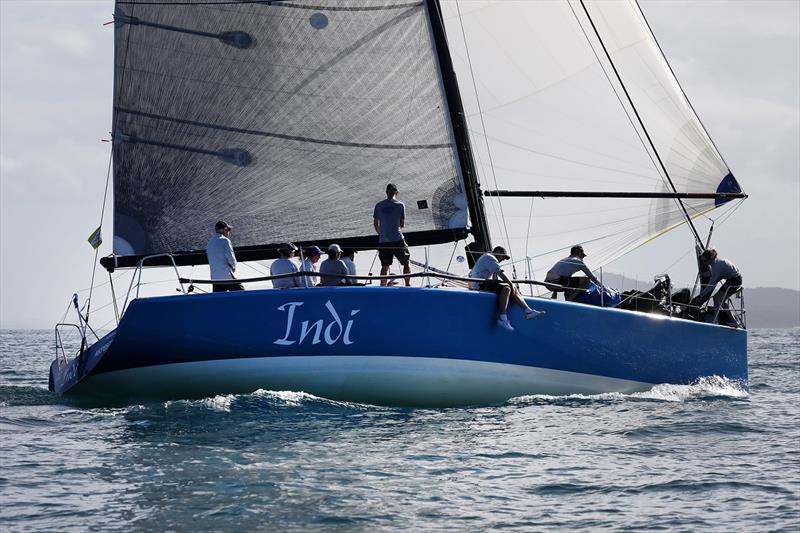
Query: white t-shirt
{"points": [[308, 266], [351, 267], [485, 267], [284, 265]]}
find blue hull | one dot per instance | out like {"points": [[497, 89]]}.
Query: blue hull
{"points": [[394, 346]]}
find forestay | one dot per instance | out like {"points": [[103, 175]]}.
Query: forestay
{"points": [[284, 118], [553, 116]]}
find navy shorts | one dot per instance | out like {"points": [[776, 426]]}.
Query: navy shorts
{"points": [[491, 286], [389, 250]]}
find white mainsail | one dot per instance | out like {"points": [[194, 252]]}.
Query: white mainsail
{"points": [[547, 112]]}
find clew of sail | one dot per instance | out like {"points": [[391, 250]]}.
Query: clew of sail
{"points": [[285, 118], [550, 114]]}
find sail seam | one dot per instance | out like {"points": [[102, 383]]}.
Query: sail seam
{"points": [[283, 135]]}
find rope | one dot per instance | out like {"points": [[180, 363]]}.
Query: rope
{"points": [[483, 127]]}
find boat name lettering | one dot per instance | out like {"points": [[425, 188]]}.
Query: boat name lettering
{"points": [[317, 330]]}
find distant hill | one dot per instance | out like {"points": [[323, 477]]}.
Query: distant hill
{"points": [[767, 307], [772, 307]]}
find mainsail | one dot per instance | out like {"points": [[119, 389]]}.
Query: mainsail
{"points": [[284, 118], [577, 96]]}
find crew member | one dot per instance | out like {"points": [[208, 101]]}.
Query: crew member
{"points": [[312, 254], [284, 265], [349, 257], [334, 266], [561, 274], [389, 216], [221, 259], [488, 266], [719, 270]]}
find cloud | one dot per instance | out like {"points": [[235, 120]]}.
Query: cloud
{"points": [[73, 42]]}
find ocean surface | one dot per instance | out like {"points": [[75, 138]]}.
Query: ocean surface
{"points": [[703, 457]]}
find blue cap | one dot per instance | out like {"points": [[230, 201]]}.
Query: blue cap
{"points": [[311, 251]]}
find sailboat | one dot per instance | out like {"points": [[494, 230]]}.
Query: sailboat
{"points": [[288, 118]]}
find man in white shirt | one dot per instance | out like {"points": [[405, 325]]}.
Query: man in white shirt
{"points": [[561, 274], [312, 254], [285, 265], [488, 266], [221, 259], [349, 257], [333, 266]]}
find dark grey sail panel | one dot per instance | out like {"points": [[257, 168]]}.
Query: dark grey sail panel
{"points": [[286, 120]]}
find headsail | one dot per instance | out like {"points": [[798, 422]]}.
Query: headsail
{"points": [[284, 118], [554, 116]]}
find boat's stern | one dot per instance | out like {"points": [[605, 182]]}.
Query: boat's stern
{"points": [[66, 373]]}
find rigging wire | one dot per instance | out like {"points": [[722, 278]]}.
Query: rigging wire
{"points": [[97, 250], [641, 123], [483, 126]]}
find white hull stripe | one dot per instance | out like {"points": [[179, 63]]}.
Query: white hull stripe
{"points": [[369, 379]]}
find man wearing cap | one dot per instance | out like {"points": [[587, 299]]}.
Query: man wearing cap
{"points": [[284, 265], [388, 217], [561, 274], [488, 266], [312, 254], [334, 266], [719, 270], [221, 258]]}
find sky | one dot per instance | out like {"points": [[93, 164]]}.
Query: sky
{"points": [[738, 61]]}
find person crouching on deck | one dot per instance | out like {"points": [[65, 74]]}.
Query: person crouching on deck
{"points": [[221, 259], [561, 274], [284, 265], [719, 270], [488, 266]]}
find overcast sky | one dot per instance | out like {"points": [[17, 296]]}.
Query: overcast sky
{"points": [[738, 61]]}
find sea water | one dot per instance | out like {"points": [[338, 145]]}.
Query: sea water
{"points": [[703, 457]]}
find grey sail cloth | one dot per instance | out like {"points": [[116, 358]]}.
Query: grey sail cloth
{"points": [[286, 119]]}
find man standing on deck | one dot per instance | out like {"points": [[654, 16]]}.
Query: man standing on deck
{"points": [[388, 217], [488, 266], [221, 258], [561, 274]]}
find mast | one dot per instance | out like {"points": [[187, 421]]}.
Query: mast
{"points": [[477, 213]]}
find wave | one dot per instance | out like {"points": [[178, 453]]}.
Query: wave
{"points": [[710, 387], [225, 402]]}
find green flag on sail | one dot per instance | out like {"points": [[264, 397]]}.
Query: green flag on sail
{"points": [[95, 239]]}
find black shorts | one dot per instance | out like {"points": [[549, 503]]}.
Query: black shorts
{"points": [[571, 282], [491, 286], [389, 250], [227, 287]]}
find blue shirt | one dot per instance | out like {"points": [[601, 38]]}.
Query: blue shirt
{"points": [[391, 214]]}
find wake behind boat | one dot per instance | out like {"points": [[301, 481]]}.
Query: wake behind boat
{"points": [[287, 118]]}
